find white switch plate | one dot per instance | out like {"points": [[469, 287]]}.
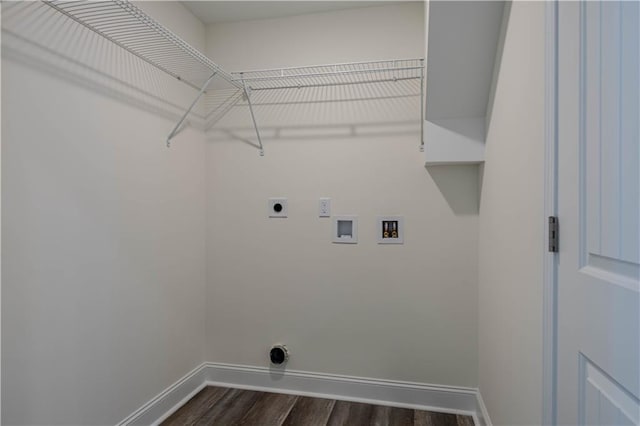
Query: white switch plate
{"points": [[324, 207]]}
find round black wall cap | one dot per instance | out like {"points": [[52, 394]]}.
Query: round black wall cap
{"points": [[278, 354]]}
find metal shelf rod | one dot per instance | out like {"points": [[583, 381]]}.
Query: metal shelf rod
{"points": [[384, 61], [348, 83]]}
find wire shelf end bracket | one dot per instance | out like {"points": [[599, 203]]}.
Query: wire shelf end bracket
{"points": [[184, 116], [422, 105], [247, 94]]}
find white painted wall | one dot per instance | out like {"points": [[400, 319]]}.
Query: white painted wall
{"points": [[511, 228], [103, 252], [387, 32], [91, 331], [393, 312]]}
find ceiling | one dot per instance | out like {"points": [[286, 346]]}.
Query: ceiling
{"points": [[211, 12]]}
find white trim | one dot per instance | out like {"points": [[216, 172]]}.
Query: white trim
{"points": [[0, 240], [444, 399], [482, 413], [550, 260], [497, 62], [438, 398], [169, 400]]}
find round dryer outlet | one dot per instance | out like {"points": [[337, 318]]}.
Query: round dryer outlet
{"points": [[277, 207], [279, 354]]}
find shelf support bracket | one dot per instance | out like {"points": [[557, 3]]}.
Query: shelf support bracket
{"points": [[253, 117], [177, 127], [422, 102]]}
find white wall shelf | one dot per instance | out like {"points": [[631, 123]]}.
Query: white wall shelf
{"points": [[464, 51], [454, 141]]}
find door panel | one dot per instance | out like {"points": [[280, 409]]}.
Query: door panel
{"points": [[611, 137], [598, 206], [605, 401]]}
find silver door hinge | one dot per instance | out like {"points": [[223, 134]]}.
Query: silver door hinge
{"points": [[554, 235]]}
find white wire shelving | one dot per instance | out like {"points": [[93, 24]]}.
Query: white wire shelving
{"points": [[333, 75], [127, 26], [133, 30], [337, 75]]}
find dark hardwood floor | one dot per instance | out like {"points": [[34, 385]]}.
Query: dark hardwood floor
{"points": [[229, 407]]}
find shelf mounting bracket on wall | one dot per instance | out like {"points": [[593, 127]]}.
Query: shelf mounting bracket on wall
{"points": [[422, 102], [253, 117], [195, 101]]}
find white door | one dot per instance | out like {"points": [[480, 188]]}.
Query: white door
{"points": [[598, 328]]}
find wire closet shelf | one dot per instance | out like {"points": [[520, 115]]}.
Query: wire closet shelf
{"points": [[124, 24], [333, 75], [127, 26]]}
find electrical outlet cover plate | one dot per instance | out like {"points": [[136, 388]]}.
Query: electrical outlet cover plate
{"points": [[345, 229], [390, 230], [324, 207], [278, 207]]}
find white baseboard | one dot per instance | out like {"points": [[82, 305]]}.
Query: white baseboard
{"points": [[444, 399], [455, 400], [481, 412], [168, 401]]}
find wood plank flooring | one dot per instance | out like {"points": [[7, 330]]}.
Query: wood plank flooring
{"points": [[231, 407]]}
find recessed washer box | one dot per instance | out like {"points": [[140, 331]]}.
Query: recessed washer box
{"points": [[390, 230], [277, 207], [345, 229]]}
